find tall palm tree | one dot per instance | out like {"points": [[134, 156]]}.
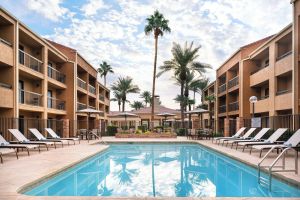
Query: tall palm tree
{"points": [[210, 99], [157, 24], [118, 98], [136, 105], [182, 63], [146, 95], [124, 86], [104, 69], [197, 85]]}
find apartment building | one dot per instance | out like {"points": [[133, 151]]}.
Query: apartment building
{"points": [[44, 81]]}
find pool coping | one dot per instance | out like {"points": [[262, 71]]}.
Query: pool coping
{"points": [[20, 191]]}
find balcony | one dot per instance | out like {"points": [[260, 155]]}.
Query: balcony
{"points": [[57, 75], [284, 64], [222, 109], [222, 88], [233, 106], [283, 100], [6, 96], [81, 106], [30, 98], [280, 92], [30, 62], [56, 103], [92, 89], [233, 82], [262, 105], [6, 53], [284, 55], [101, 97], [81, 83], [92, 107], [260, 76]]}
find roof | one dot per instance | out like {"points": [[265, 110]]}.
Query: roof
{"points": [[147, 110]]}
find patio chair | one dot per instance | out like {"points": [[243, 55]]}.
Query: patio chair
{"points": [[256, 138], [4, 151], [244, 137], [236, 135], [27, 147], [23, 140], [293, 141], [55, 136], [191, 134], [40, 137], [271, 140]]}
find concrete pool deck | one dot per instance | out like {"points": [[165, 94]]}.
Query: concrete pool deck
{"points": [[18, 174]]}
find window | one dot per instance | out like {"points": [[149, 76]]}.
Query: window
{"points": [[49, 101]]}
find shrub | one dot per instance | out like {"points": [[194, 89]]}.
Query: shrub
{"points": [[181, 131], [218, 134], [143, 128], [112, 130]]}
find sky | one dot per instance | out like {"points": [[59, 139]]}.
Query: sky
{"points": [[113, 31]]}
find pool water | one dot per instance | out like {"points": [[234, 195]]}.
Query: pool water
{"points": [[160, 170]]}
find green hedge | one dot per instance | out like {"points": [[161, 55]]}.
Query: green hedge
{"points": [[112, 130], [142, 128], [181, 131]]}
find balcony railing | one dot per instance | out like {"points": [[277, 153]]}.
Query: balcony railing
{"points": [[222, 88], [30, 61], [92, 89], [5, 42], [101, 97], [57, 75], [56, 103], [81, 83], [222, 109], [280, 92], [80, 106], [101, 114], [233, 106], [263, 97], [30, 98], [260, 68], [92, 107], [233, 82], [283, 55]]}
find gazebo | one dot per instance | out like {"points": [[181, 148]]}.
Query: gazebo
{"points": [[198, 111]]}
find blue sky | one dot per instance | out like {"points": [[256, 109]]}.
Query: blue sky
{"points": [[112, 30]]}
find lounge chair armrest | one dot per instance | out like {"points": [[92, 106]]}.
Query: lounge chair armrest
{"points": [[14, 142], [279, 142]]}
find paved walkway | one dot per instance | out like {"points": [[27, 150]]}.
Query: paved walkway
{"points": [[17, 174]]}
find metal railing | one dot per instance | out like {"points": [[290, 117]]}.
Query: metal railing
{"points": [[280, 92], [263, 97], [81, 83], [92, 107], [31, 62], [284, 55], [56, 103], [101, 97], [233, 106], [259, 68], [222, 88], [233, 82], [222, 109], [5, 42], [92, 89], [30, 98], [81, 106], [57, 75]]}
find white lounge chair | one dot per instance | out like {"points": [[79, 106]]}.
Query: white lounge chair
{"points": [[40, 137], [4, 151], [244, 137], [5, 144], [293, 141], [23, 140], [236, 135], [256, 138], [55, 136], [271, 140]]}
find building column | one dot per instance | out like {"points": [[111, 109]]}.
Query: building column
{"points": [[239, 123], [66, 128], [226, 127]]}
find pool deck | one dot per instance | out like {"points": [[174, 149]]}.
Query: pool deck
{"points": [[16, 175]]}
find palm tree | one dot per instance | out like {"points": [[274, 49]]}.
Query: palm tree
{"points": [[146, 95], [118, 98], [210, 99], [124, 86], [104, 69], [197, 85], [182, 63], [137, 105], [157, 24]]}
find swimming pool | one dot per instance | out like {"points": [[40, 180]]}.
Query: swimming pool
{"points": [[160, 170]]}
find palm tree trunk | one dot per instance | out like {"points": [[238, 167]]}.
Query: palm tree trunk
{"points": [[194, 99], [119, 103], [190, 117], [182, 105], [104, 80], [123, 106], [153, 82]]}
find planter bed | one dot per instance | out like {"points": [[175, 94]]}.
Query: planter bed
{"points": [[146, 135]]}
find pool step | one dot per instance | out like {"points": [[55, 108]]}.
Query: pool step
{"points": [[263, 181]]}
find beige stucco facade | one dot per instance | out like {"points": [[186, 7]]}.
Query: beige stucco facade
{"points": [[40, 79]]}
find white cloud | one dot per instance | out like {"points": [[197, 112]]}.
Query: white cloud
{"points": [[51, 10], [116, 34], [93, 6]]}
